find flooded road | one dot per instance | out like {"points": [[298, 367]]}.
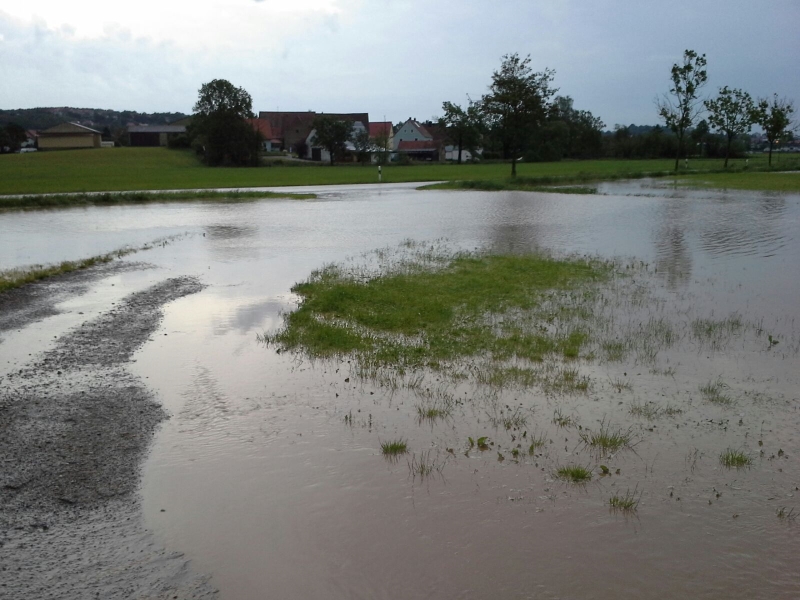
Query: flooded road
{"points": [[269, 475]]}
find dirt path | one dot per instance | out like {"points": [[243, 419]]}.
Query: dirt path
{"points": [[74, 428]]}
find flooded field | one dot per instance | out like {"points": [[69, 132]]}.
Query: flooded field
{"points": [[681, 414]]}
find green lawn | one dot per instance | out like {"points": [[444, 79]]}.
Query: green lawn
{"points": [[134, 169], [777, 182]]}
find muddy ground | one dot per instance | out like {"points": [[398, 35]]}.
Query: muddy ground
{"points": [[75, 426]]}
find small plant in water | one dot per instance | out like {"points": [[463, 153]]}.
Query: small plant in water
{"points": [[713, 392], [606, 439], [424, 466], [537, 441], [735, 459], [562, 420], [789, 515], [574, 473], [627, 502], [393, 448]]}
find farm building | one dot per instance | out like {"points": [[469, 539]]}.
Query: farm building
{"points": [[154, 135], [68, 136]]}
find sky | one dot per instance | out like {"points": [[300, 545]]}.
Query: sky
{"points": [[394, 59]]}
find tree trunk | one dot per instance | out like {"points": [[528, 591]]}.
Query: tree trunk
{"points": [[727, 152], [769, 162], [678, 153], [513, 166]]}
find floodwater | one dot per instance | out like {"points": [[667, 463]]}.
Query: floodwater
{"points": [[263, 483]]}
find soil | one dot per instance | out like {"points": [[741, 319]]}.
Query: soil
{"points": [[74, 428]]}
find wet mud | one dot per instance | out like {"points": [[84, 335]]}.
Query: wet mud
{"points": [[75, 427]]}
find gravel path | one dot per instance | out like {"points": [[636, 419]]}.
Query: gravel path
{"points": [[74, 428]]}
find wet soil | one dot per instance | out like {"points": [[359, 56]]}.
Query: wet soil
{"points": [[75, 426]]}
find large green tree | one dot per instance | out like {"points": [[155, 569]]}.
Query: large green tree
{"points": [[732, 113], [682, 105], [463, 125], [775, 118], [516, 104], [220, 126], [332, 134]]}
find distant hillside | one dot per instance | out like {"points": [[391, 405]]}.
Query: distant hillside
{"points": [[96, 118]]}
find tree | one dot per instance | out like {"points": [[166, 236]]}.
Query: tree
{"points": [[516, 104], [16, 136], [681, 107], [775, 118], [362, 143], [221, 96], [332, 134], [220, 128], [381, 144], [463, 126], [731, 113]]}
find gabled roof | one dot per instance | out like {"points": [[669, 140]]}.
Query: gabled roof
{"points": [[380, 128], [414, 123], [70, 128]]}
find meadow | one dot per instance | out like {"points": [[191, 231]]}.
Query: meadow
{"points": [[137, 169]]}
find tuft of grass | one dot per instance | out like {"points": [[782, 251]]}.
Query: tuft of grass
{"points": [[627, 502], [394, 448], [713, 391], [562, 420], [537, 442], [788, 515], [651, 411], [735, 459], [510, 419], [606, 439], [424, 466], [574, 473]]}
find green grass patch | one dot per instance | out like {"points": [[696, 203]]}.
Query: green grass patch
{"points": [[574, 473], [135, 169], [627, 502], [735, 459], [393, 448], [411, 315], [607, 439], [115, 198]]}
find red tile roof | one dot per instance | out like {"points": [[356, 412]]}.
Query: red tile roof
{"points": [[381, 128], [263, 126]]}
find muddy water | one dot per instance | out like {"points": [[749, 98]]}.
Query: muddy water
{"points": [[263, 483]]}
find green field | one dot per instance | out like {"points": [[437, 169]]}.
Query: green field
{"points": [[134, 169]]}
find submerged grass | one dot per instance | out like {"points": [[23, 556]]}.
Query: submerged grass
{"points": [[714, 391], [607, 439], [14, 278], [574, 473], [427, 314], [393, 448], [114, 198], [735, 459], [627, 502]]}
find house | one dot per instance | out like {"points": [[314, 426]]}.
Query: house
{"points": [[269, 142], [415, 141], [68, 136], [318, 153], [154, 135], [291, 129]]}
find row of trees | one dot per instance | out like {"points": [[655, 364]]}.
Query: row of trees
{"points": [[522, 118], [732, 113]]}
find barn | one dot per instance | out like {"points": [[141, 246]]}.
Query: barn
{"points": [[68, 136]]}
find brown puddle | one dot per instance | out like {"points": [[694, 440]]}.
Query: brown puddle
{"points": [[270, 474]]}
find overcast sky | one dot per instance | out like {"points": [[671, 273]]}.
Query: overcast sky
{"points": [[398, 58]]}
